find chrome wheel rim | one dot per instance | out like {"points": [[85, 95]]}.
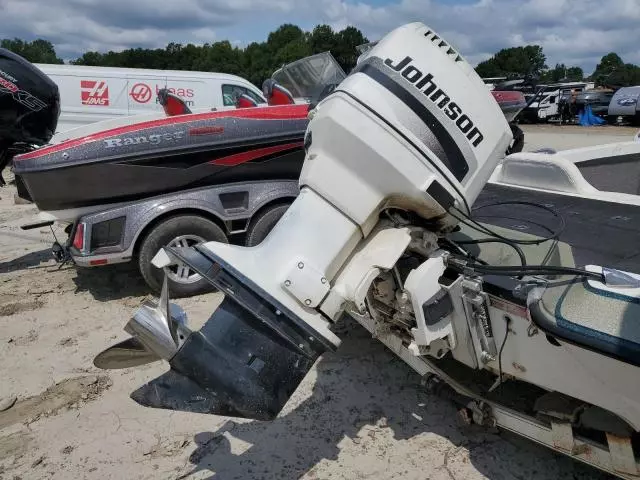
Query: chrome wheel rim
{"points": [[180, 272]]}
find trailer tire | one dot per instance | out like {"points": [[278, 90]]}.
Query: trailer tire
{"points": [[263, 223], [189, 229]]}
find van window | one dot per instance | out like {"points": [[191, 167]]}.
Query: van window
{"points": [[230, 92], [552, 99]]}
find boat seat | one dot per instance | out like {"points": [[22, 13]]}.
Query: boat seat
{"points": [[276, 94], [600, 320], [172, 104], [603, 171], [245, 101]]}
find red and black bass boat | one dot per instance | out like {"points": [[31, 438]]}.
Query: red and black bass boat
{"points": [[127, 159], [163, 155], [130, 158], [134, 157]]}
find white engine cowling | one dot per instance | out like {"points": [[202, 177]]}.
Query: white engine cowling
{"points": [[412, 113]]}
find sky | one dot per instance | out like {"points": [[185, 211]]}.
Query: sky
{"points": [[574, 32]]}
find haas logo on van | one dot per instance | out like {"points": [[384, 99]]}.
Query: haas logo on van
{"points": [[141, 92], [94, 92]]}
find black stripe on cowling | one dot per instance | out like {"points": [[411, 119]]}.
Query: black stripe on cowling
{"points": [[410, 142], [440, 195], [455, 161]]}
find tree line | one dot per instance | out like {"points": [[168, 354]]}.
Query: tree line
{"points": [[530, 61], [258, 60]]}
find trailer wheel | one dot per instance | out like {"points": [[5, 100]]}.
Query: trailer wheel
{"points": [[179, 231], [263, 223]]}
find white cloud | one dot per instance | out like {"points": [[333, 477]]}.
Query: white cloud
{"points": [[576, 32]]}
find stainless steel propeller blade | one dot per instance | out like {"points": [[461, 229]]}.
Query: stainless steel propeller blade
{"points": [[126, 354], [158, 330]]}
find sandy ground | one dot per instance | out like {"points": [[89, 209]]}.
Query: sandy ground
{"points": [[361, 413]]}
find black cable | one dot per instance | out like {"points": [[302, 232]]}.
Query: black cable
{"points": [[540, 206], [523, 260], [540, 225], [540, 268], [504, 342], [470, 222], [552, 247], [464, 252], [531, 270], [531, 222]]}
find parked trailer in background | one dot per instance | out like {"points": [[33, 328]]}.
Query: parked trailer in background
{"points": [[92, 94], [624, 103], [546, 105]]}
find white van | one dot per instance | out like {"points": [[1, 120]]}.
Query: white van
{"points": [[92, 94]]}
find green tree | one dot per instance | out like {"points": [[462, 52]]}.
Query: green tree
{"points": [[554, 74], [345, 52], [323, 39], [608, 63], [514, 62], [291, 52], [562, 73], [258, 63], [92, 59], [219, 57], [624, 76], [575, 74], [612, 71], [284, 35], [37, 51]]}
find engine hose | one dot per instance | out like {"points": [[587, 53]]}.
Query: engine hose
{"points": [[535, 269]]}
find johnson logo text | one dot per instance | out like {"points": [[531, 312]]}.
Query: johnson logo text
{"points": [[426, 84]]}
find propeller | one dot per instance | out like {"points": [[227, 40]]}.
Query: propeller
{"points": [[158, 330], [128, 353]]}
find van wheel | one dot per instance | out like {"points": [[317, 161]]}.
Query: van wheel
{"points": [[179, 231], [263, 223]]}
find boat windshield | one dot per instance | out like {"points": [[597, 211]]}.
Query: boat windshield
{"points": [[309, 77]]}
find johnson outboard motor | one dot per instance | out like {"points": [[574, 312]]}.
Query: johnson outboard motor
{"points": [[29, 107], [412, 129]]}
